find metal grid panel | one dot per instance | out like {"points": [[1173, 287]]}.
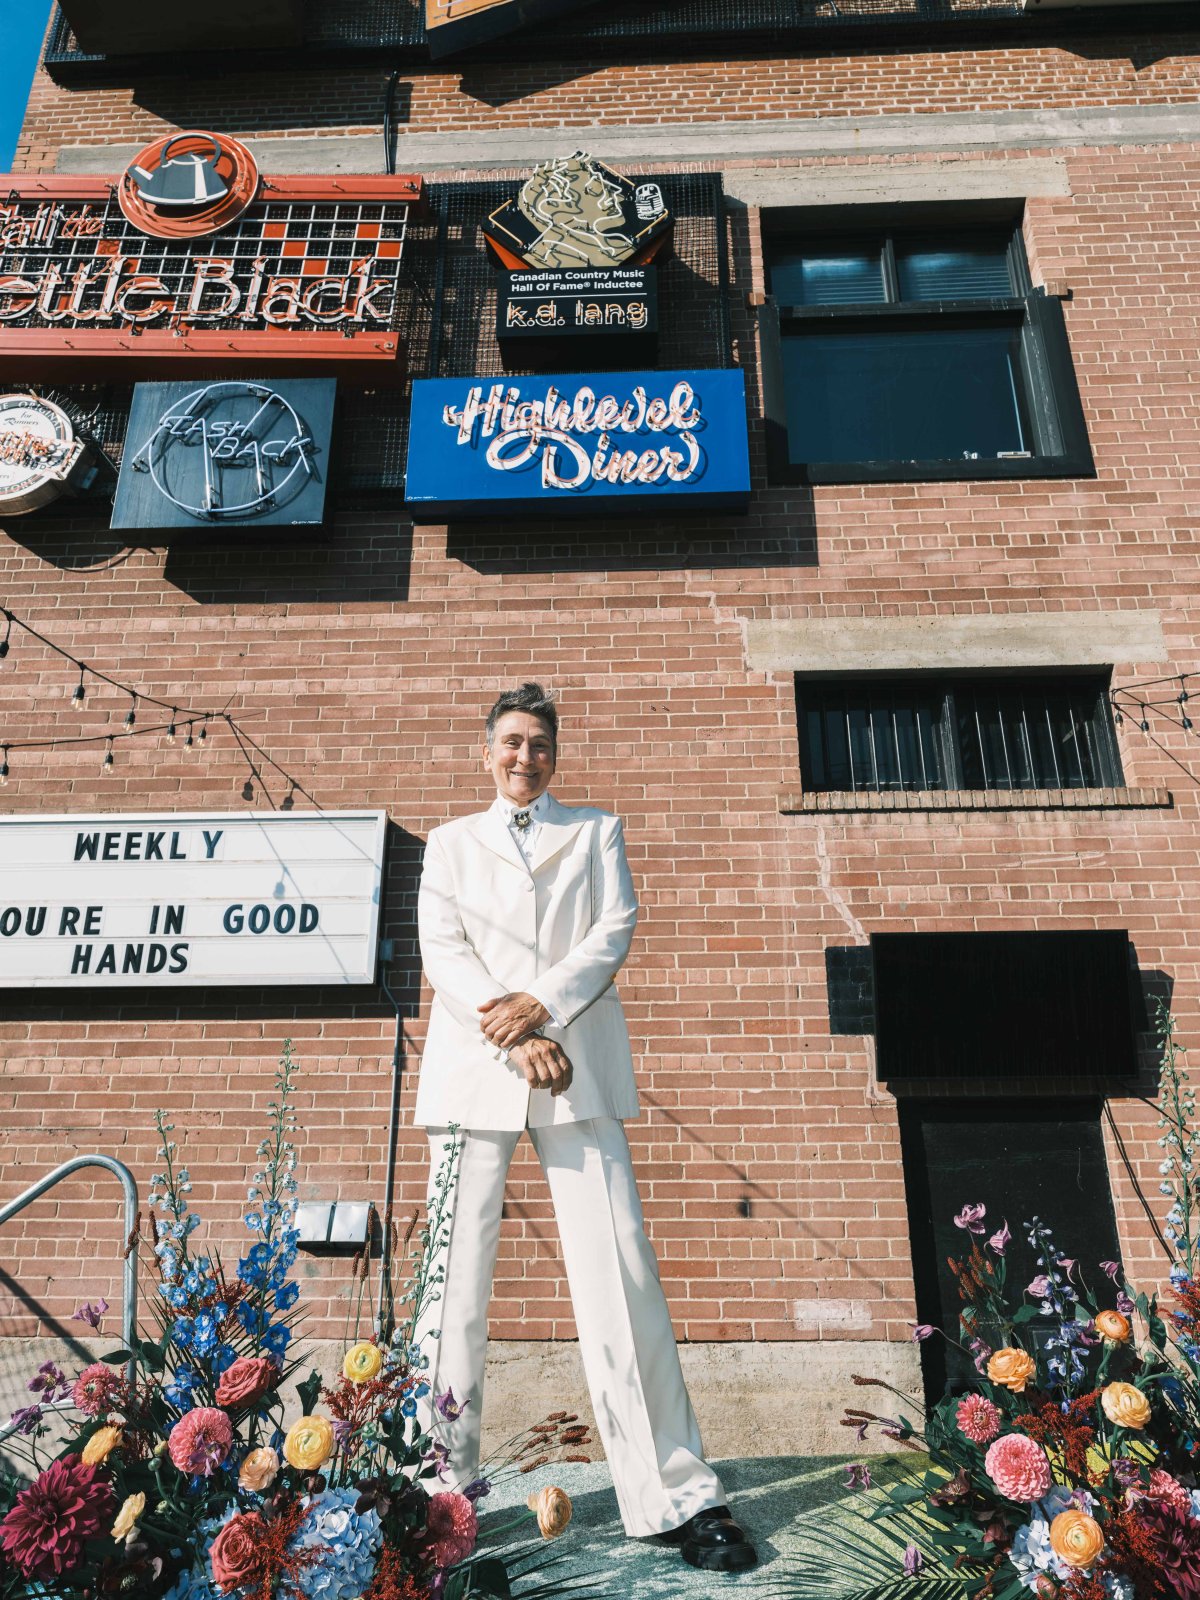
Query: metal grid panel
{"points": [[445, 247], [290, 237], [373, 26]]}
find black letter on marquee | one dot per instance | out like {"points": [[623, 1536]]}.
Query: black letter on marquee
{"points": [[91, 919], [179, 957], [81, 960], [86, 845]]}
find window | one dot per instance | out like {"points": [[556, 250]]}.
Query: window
{"points": [[909, 354], [956, 733]]}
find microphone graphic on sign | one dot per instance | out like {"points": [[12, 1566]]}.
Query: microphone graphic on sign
{"points": [[190, 179]]}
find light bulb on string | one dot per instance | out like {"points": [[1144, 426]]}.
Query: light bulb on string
{"points": [[4, 765], [1117, 717], [80, 692], [131, 714], [1144, 724], [107, 764], [171, 726], [189, 741], [202, 735], [7, 632]]}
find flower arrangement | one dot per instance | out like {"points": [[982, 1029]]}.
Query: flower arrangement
{"points": [[182, 1480], [1069, 1468]]}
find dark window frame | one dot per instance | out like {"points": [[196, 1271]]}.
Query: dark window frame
{"points": [[1051, 393], [937, 701]]}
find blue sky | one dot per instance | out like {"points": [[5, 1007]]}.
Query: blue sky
{"points": [[22, 25]]}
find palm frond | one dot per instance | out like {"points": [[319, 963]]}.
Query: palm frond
{"points": [[938, 1588]]}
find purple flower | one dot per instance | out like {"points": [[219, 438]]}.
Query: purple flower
{"points": [[999, 1242], [26, 1419], [1124, 1304], [1039, 1288], [913, 1561], [439, 1456], [1110, 1269], [1126, 1472], [970, 1218], [1067, 1263], [860, 1432], [858, 1475], [922, 1331], [91, 1312], [48, 1382], [448, 1408], [982, 1353], [476, 1490], [341, 1431]]}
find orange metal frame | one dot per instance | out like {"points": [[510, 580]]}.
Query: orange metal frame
{"points": [[84, 354]]}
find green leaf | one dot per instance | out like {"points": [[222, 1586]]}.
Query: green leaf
{"points": [[1024, 1314], [490, 1577], [309, 1391], [116, 1358], [1157, 1331], [150, 1355]]}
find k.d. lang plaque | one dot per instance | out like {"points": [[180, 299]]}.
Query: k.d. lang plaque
{"points": [[609, 302]]}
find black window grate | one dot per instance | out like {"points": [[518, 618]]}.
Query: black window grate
{"points": [[396, 27], [864, 735]]}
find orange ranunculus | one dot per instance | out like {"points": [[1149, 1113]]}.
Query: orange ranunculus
{"points": [[259, 1470], [1011, 1368], [1113, 1326], [1125, 1405], [127, 1517], [309, 1443], [553, 1510], [1076, 1538], [100, 1446]]}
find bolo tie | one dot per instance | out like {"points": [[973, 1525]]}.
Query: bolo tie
{"points": [[522, 819]]}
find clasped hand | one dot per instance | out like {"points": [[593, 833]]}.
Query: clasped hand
{"points": [[508, 1022]]}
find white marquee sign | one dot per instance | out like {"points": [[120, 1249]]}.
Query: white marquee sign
{"points": [[192, 898]]}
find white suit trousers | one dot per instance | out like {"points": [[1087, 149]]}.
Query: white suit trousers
{"points": [[643, 1412]]}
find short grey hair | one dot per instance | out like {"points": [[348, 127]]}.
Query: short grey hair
{"points": [[530, 697]]}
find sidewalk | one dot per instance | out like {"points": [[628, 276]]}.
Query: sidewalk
{"points": [[772, 1497]]}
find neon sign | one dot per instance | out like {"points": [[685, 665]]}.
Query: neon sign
{"points": [[577, 445], [228, 452], [309, 272]]}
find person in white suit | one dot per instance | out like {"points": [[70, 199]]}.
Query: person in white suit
{"points": [[526, 912]]}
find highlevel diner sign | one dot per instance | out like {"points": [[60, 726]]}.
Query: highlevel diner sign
{"points": [[190, 255], [120, 901]]}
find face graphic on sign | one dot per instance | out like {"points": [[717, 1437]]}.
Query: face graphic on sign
{"points": [[39, 453], [574, 212], [188, 185]]}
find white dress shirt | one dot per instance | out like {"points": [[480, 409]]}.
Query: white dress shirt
{"points": [[526, 841]]}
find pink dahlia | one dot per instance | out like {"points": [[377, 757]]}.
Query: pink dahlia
{"points": [[201, 1441], [978, 1418], [1018, 1467], [44, 1533], [451, 1528], [1163, 1488], [96, 1389]]}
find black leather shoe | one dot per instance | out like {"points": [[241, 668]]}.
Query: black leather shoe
{"points": [[713, 1541]]}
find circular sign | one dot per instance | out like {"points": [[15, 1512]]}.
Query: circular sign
{"points": [[38, 452], [187, 185], [228, 450]]}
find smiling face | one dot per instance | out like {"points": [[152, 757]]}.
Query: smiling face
{"points": [[521, 758]]}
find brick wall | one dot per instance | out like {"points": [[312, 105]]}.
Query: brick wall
{"points": [[362, 659]]}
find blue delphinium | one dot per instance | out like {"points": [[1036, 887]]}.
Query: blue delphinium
{"points": [[348, 1544], [270, 1214]]}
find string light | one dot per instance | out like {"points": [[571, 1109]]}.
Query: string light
{"points": [[107, 764], [131, 714], [7, 632], [171, 727], [80, 691], [4, 765], [189, 741]]}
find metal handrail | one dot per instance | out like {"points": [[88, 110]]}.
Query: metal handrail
{"points": [[129, 1186]]}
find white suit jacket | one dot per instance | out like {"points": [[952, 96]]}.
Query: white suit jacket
{"points": [[491, 925]]}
